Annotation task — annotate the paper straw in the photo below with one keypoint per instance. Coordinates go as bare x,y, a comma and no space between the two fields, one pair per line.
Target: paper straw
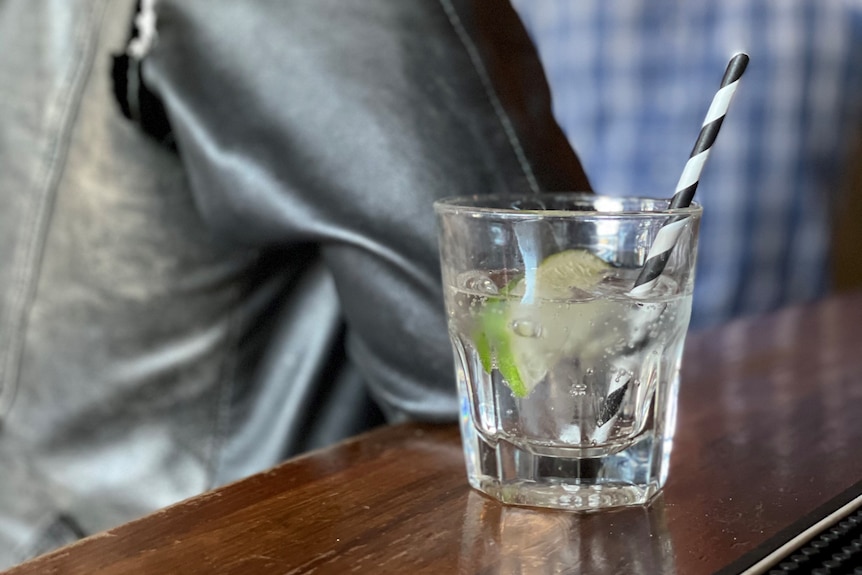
669,233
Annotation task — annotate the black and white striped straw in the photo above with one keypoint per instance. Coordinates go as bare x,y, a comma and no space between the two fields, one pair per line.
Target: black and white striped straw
669,233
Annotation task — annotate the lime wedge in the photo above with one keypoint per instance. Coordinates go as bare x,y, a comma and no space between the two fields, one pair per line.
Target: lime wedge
492,341
560,275
521,332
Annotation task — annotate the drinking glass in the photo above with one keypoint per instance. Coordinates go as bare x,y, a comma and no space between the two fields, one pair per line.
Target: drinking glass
567,378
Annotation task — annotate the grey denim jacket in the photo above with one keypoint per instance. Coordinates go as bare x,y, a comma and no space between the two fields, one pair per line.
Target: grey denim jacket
181,313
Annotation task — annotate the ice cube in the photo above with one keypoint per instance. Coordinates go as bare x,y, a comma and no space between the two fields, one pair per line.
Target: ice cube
478,282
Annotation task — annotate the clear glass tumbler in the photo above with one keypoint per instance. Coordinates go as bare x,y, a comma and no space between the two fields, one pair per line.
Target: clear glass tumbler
567,378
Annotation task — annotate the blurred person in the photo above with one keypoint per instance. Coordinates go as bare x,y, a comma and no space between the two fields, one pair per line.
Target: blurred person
259,275
631,82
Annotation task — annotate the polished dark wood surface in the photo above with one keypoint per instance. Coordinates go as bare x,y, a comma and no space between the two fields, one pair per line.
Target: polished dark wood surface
769,430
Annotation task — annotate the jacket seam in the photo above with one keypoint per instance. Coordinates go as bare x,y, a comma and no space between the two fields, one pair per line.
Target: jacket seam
27,260
491,93
224,402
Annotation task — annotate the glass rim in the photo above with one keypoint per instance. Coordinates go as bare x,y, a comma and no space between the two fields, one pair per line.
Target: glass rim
468,205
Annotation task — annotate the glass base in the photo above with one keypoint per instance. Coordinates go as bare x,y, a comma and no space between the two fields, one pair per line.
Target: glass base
515,475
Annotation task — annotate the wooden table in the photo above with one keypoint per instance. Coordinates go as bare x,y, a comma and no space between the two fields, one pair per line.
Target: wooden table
770,426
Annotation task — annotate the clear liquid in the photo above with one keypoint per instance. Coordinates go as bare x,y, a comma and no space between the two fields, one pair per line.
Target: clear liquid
601,368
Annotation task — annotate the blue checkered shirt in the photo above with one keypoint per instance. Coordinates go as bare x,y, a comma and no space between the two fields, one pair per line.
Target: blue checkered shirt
632,80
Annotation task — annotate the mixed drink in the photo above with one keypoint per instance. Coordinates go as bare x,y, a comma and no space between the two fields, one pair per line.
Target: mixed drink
568,382
571,371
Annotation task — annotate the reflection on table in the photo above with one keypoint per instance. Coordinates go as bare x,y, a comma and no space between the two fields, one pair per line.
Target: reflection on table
502,540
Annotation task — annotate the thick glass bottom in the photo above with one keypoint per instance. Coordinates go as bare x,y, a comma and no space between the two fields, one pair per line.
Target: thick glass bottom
518,476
